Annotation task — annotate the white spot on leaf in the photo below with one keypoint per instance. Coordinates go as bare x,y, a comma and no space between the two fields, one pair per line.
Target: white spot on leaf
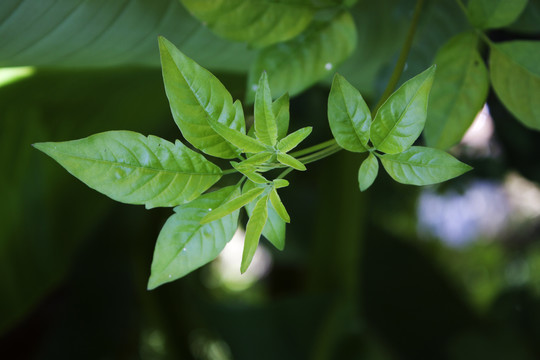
328,66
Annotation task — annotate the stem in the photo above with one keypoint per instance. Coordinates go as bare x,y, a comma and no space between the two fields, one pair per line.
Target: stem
330,150
284,173
400,64
229,171
313,148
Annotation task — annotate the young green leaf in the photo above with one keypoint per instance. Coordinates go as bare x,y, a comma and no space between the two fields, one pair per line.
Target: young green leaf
401,118
368,172
232,205
134,169
274,230
254,230
197,97
459,91
260,23
490,14
278,206
256,159
515,75
250,173
297,64
265,120
280,183
422,166
348,115
288,160
292,140
241,141
184,244
280,107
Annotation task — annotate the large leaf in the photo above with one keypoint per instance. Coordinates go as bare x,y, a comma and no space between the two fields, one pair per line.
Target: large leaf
260,23
459,91
265,121
274,230
198,98
422,166
348,115
515,75
184,244
488,14
81,33
254,229
134,169
401,118
297,64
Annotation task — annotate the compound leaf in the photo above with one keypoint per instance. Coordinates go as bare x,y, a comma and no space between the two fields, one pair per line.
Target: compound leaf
297,64
292,140
134,169
515,75
260,23
288,160
265,121
184,244
232,205
368,172
274,230
489,14
197,98
400,120
348,115
239,140
459,91
254,229
422,166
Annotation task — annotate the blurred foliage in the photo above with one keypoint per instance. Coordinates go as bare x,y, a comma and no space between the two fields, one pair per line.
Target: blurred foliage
355,280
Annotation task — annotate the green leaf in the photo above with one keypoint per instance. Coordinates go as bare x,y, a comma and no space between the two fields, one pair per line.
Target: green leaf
422,166
292,140
280,107
348,115
515,75
259,23
184,244
239,140
274,230
65,34
134,169
265,121
459,91
368,172
197,98
232,205
254,230
490,14
401,118
250,173
257,159
278,206
288,160
297,64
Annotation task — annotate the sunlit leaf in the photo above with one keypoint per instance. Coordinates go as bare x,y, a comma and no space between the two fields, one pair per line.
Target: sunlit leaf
278,206
274,230
297,64
348,115
368,172
288,160
489,14
260,23
232,205
292,140
241,141
459,91
265,121
422,166
400,120
515,74
197,98
184,244
134,169
254,229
